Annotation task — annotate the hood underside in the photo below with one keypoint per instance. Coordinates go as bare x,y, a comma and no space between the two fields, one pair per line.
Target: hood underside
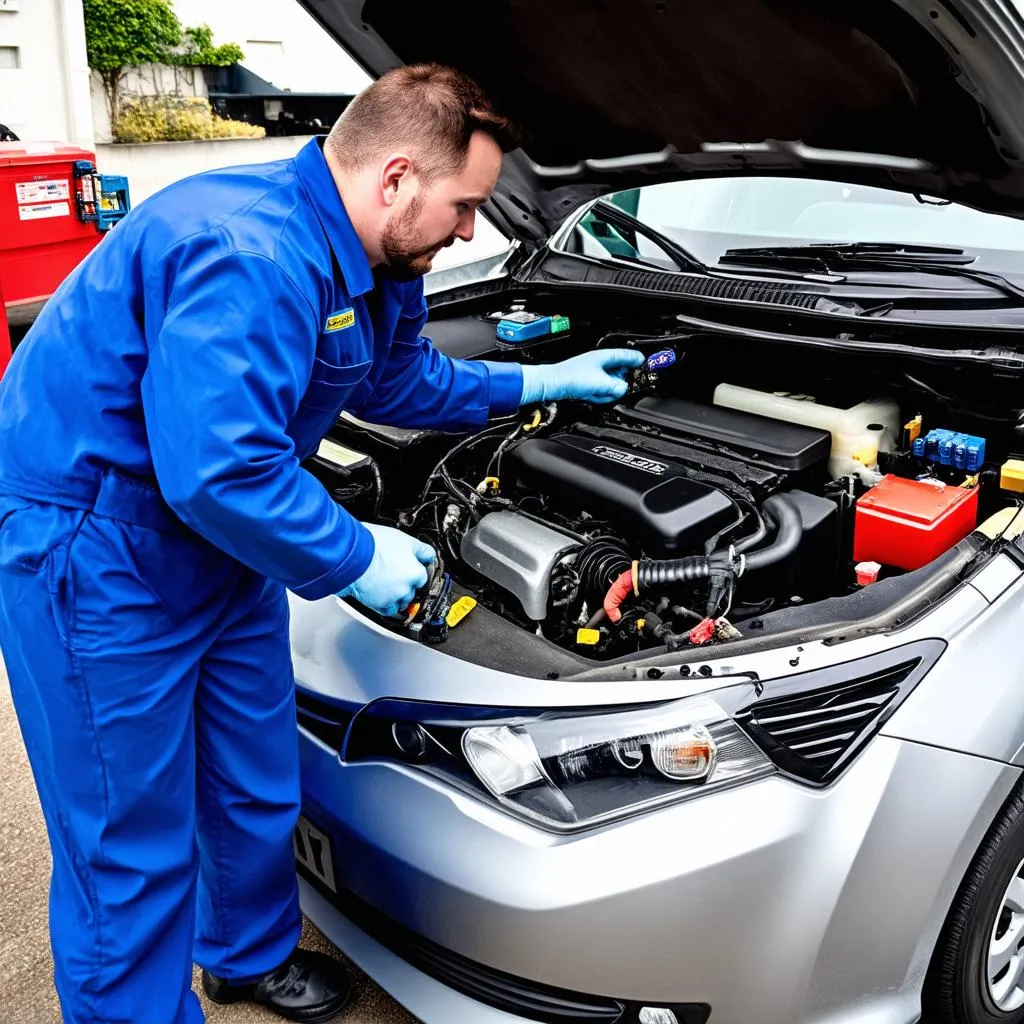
922,97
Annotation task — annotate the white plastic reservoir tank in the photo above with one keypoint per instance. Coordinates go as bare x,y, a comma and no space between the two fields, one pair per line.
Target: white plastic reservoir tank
858,433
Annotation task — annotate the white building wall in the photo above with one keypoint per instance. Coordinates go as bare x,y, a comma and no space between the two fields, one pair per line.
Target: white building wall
46,97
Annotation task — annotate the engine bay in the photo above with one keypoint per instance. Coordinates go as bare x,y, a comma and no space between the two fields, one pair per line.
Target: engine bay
686,512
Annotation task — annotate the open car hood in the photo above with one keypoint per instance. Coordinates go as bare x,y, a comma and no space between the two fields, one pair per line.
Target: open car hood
924,97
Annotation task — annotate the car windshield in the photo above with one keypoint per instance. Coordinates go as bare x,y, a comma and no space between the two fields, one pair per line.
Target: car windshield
708,216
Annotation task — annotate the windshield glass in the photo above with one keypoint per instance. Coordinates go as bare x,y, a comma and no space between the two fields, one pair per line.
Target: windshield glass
708,216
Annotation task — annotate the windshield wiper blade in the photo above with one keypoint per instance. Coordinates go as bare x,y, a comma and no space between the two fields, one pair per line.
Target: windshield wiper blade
685,260
882,257
855,252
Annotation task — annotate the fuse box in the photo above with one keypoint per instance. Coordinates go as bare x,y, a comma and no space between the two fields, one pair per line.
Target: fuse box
952,448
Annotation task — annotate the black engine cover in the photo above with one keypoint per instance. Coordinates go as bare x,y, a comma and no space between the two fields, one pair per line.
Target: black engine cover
649,498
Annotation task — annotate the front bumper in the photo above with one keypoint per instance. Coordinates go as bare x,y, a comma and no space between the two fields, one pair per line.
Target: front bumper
430,1000
770,902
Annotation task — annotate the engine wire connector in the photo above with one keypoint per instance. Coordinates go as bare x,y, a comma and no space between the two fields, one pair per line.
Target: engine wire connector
703,631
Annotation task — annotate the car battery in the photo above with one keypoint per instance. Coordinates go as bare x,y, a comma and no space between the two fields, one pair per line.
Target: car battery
908,523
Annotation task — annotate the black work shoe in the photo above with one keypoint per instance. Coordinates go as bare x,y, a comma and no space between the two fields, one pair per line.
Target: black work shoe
308,987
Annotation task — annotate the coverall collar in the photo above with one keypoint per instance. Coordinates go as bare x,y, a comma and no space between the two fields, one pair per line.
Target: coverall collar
323,194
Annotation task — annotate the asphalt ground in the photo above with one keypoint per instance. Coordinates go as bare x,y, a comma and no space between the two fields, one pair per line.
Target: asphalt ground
26,969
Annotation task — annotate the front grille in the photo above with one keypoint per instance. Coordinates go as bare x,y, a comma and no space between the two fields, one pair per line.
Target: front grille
815,734
505,992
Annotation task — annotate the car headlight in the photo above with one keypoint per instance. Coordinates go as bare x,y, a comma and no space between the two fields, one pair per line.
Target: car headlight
567,770
573,769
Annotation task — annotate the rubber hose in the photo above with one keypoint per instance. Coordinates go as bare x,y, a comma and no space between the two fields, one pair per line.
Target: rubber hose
599,564
671,571
785,514
755,538
780,509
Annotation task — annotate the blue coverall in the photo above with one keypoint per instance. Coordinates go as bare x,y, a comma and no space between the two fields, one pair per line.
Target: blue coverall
152,515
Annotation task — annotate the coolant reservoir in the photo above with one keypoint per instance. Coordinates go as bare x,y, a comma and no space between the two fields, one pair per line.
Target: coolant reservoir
858,433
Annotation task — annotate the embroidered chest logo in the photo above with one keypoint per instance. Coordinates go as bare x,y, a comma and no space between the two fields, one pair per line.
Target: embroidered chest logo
340,320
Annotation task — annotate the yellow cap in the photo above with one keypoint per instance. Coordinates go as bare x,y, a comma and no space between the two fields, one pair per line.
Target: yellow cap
867,456
1011,477
640,623
913,429
459,611
588,636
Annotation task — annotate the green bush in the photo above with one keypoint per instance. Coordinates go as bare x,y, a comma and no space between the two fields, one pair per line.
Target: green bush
178,119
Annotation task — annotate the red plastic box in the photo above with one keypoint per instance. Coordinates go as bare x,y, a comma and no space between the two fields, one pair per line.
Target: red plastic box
908,523
41,237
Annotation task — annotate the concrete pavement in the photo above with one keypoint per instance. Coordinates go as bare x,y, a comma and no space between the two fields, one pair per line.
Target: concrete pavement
26,988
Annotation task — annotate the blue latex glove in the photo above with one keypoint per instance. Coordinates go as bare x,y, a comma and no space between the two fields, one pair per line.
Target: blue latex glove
396,572
591,377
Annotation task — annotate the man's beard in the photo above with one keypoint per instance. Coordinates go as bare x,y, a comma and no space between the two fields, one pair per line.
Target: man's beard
404,254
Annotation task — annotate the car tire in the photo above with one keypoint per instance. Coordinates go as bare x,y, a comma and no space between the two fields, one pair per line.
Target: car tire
986,920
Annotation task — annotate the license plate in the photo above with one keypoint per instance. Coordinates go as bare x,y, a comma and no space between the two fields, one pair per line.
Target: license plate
313,852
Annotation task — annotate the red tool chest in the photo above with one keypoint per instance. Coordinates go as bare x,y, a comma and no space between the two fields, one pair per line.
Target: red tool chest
42,238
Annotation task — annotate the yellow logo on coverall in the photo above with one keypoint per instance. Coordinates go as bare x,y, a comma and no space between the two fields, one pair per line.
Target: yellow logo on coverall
339,321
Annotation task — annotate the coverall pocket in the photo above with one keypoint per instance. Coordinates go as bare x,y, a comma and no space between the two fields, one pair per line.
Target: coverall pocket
130,588
30,531
35,539
58,583
329,384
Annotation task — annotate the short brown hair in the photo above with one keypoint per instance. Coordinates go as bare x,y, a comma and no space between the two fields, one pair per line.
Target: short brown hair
432,109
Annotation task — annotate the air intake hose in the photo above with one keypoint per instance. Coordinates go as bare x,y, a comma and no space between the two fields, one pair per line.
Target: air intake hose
652,574
784,512
780,509
605,565
599,564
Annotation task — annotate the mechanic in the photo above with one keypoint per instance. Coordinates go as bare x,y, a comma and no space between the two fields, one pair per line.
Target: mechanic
153,513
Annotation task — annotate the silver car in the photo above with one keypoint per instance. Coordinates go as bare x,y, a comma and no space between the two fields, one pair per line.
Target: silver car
712,709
